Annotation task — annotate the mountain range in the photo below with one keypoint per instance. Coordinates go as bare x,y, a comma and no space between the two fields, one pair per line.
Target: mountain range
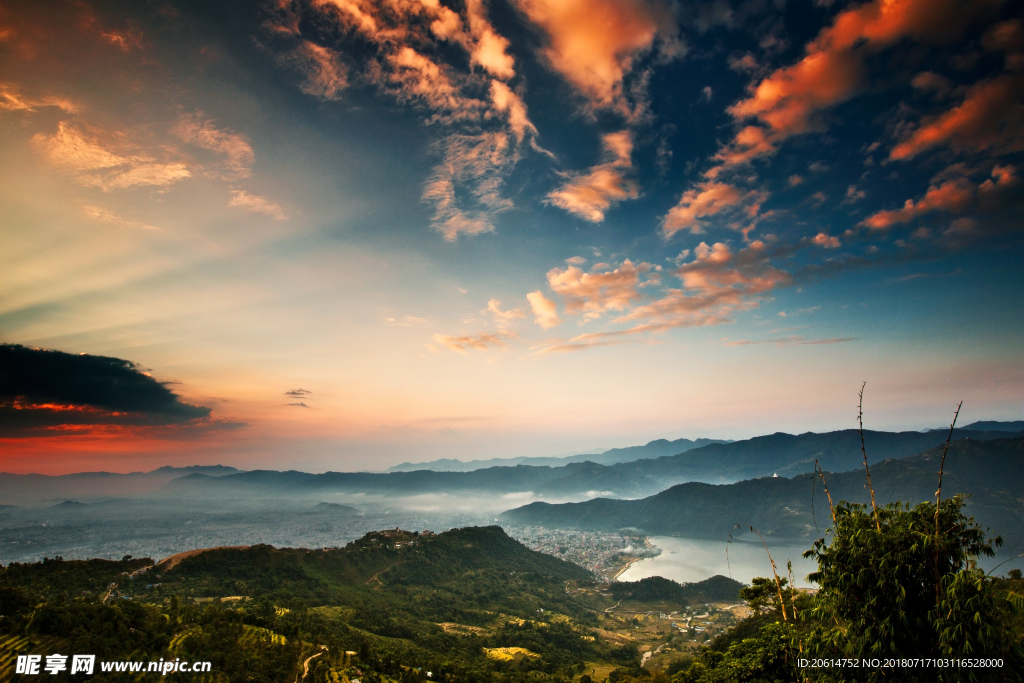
34,488
716,463
625,473
653,449
991,471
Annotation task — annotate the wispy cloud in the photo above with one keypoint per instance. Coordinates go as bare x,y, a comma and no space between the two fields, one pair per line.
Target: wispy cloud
502,319
240,199
238,156
545,311
104,216
706,200
483,121
12,100
790,341
326,75
93,158
480,342
918,276
589,195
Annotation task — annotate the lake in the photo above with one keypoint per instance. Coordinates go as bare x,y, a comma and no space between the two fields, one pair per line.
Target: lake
690,559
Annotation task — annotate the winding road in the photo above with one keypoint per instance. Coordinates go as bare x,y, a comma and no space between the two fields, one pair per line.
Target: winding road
305,664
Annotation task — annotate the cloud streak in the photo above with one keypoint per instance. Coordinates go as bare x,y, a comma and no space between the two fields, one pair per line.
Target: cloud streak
94,160
791,341
480,342
240,199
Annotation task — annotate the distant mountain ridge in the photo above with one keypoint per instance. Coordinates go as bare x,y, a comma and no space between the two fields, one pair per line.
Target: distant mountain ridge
653,449
714,463
996,426
785,454
992,472
35,487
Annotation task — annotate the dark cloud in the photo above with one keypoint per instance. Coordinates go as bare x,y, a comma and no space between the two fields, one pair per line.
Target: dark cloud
298,393
299,405
42,389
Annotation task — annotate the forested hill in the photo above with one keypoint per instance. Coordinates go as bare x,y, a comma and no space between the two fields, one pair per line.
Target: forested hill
655,588
785,454
992,472
378,560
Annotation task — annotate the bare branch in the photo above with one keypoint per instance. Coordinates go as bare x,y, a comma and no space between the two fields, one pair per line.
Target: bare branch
867,470
778,584
942,466
938,500
821,473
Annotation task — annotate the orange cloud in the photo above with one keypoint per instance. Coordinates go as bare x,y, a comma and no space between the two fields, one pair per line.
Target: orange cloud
826,241
241,199
489,50
203,133
832,70
415,77
716,283
10,100
991,115
125,40
545,311
502,319
594,43
104,216
94,162
326,76
591,194
409,37
717,269
155,174
70,149
709,199
400,26
506,101
480,342
953,196
599,290
1006,35
750,143
478,162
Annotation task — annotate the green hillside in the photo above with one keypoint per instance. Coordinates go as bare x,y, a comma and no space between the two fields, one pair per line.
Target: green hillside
656,588
404,602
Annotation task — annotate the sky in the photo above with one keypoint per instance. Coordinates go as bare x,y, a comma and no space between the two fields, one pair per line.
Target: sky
345,234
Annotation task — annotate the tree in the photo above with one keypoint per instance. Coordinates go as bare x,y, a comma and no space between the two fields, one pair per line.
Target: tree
902,582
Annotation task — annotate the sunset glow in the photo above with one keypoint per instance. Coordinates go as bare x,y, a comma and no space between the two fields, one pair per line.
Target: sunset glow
344,234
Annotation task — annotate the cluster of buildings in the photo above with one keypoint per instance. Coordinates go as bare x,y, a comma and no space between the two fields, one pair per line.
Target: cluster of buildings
594,550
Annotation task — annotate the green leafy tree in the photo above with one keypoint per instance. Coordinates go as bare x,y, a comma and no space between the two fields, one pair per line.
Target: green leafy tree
902,582
769,657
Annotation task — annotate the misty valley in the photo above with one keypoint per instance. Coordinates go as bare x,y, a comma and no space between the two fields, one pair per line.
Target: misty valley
508,572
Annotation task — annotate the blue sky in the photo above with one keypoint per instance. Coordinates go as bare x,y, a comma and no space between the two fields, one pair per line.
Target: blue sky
476,229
